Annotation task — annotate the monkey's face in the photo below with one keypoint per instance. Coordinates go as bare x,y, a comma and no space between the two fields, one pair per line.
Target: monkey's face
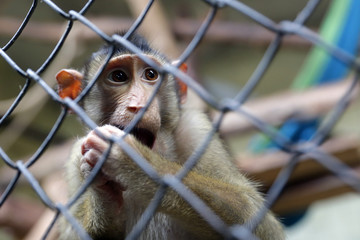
123,89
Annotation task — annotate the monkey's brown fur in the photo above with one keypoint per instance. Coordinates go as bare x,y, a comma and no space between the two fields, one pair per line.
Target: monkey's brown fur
119,195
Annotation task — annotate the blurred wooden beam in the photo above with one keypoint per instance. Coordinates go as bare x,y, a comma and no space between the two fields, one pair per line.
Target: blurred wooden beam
278,107
300,196
220,31
52,31
266,167
310,181
156,26
240,32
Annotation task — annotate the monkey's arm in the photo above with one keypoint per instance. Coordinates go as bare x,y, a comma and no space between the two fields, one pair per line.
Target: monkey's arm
234,202
99,209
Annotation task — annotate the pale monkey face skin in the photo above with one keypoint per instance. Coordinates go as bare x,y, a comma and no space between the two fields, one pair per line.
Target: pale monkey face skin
126,85
166,137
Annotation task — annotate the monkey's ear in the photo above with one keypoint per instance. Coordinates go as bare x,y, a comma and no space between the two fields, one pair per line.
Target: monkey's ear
69,83
182,86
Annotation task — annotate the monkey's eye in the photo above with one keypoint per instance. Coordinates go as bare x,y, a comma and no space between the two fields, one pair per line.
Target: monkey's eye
151,74
118,76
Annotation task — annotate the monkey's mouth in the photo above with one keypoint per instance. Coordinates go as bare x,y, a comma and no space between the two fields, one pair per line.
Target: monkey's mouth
143,135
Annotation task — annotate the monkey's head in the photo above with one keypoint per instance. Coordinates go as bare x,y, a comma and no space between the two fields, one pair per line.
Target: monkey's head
124,88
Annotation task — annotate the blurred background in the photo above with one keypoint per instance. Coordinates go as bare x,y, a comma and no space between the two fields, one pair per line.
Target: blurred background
314,204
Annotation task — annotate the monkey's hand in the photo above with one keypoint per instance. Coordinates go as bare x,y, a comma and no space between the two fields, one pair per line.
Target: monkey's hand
119,172
92,149
100,210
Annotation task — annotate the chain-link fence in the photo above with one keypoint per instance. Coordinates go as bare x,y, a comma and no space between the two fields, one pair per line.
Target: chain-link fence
296,152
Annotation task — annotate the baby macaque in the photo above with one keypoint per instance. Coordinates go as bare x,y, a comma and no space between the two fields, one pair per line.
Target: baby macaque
165,137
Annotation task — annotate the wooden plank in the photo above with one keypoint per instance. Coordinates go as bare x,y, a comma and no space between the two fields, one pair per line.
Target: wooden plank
265,168
299,197
310,181
278,107
220,31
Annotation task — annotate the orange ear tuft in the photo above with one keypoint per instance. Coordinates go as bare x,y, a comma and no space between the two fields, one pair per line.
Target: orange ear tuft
69,83
182,86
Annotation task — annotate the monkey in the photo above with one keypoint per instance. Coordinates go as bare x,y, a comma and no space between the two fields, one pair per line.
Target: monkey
166,136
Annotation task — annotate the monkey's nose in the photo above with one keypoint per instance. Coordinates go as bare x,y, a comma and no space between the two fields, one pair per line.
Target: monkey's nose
134,109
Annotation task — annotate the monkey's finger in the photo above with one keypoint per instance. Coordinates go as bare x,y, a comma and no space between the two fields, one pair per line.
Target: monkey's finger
109,130
87,164
89,160
93,141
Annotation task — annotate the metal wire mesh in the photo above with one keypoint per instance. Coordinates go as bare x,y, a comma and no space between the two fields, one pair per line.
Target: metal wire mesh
281,29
